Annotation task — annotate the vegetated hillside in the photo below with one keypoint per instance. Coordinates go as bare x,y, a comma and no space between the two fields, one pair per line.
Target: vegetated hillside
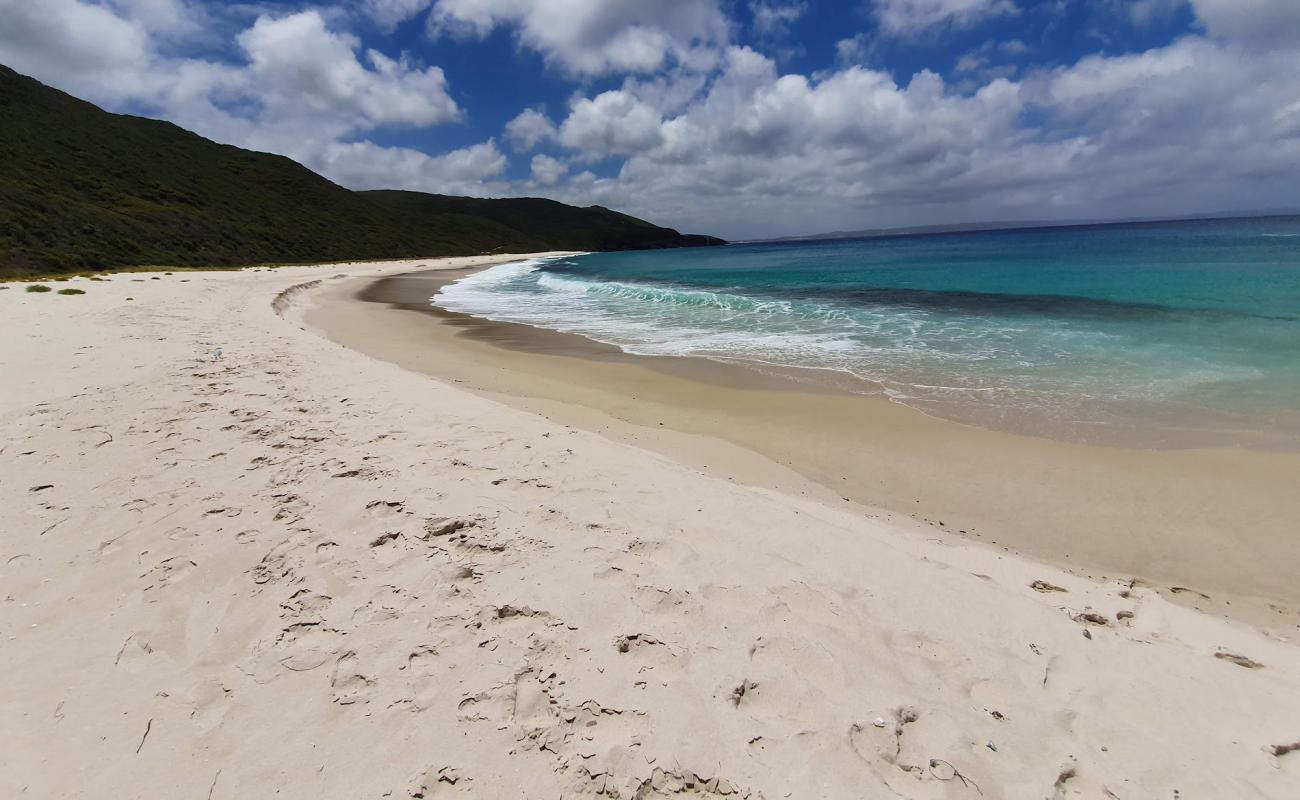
84,189
541,223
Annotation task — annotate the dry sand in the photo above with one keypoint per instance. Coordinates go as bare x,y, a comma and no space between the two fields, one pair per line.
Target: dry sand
297,571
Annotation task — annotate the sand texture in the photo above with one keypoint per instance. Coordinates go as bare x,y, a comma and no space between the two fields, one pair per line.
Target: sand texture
286,569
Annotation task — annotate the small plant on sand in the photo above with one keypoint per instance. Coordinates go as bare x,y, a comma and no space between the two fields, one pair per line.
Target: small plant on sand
70,290
36,287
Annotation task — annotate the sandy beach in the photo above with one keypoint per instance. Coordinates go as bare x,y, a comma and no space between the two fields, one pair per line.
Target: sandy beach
264,538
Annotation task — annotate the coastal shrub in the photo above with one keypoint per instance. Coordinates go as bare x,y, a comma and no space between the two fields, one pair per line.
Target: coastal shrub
70,290
36,287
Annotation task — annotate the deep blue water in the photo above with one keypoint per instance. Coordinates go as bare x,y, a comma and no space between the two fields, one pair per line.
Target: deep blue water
1177,331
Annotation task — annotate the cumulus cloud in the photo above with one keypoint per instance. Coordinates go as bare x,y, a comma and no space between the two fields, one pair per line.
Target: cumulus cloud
1196,125
594,37
76,44
365,165
547,170
914,16
853,50
301,68
299,87
529,128
173,19
612,123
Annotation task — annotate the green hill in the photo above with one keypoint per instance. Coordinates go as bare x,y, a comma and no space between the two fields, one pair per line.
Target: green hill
84,189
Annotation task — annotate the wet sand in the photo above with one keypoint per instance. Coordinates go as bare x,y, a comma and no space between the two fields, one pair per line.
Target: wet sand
1216,522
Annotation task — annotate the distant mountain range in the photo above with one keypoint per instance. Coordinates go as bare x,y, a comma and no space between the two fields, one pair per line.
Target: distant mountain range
83,189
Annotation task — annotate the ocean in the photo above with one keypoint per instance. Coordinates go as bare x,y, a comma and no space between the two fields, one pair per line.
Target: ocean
1153,334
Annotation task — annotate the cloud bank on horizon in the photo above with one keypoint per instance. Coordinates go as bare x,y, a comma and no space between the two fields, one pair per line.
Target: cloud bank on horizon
742,118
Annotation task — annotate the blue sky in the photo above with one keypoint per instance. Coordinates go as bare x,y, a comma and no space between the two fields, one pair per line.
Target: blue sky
738,117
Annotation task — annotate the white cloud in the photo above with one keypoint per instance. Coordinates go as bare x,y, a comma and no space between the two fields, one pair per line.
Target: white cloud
914,16
389,13
1145,12
1194,126
853,50
593,37
303,89
1258,21
76,44
612,123
980,62
528,129
547,170
301,68
365,165
174,19
773,18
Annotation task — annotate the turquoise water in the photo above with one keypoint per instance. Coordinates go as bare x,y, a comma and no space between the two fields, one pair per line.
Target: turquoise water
1174,332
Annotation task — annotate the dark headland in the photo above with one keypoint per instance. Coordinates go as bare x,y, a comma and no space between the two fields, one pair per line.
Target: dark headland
82,189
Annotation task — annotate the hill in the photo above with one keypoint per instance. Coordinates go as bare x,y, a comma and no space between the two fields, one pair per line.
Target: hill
82,189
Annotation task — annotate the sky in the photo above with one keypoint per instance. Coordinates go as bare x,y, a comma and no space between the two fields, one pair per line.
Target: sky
739,118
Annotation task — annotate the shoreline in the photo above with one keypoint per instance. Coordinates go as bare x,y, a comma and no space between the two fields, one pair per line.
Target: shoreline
1192,520
238,558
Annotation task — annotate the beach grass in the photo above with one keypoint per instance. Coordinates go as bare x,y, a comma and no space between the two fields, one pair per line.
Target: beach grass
37,288
71,291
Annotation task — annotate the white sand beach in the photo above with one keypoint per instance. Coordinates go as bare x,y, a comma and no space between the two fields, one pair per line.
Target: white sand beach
239,560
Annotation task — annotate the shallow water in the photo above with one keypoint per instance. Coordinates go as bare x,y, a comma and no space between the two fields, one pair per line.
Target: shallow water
1177,334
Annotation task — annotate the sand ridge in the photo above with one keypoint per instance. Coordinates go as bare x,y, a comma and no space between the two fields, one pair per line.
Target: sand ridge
286,568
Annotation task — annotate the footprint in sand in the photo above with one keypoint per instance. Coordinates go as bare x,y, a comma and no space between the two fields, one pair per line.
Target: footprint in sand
662,785
439,782
645,651
178,533
168,571
388,548
275,565
383,606
307,646
384,508
421,668
305,603
325,552
349,685
492,705
223,511
665,602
